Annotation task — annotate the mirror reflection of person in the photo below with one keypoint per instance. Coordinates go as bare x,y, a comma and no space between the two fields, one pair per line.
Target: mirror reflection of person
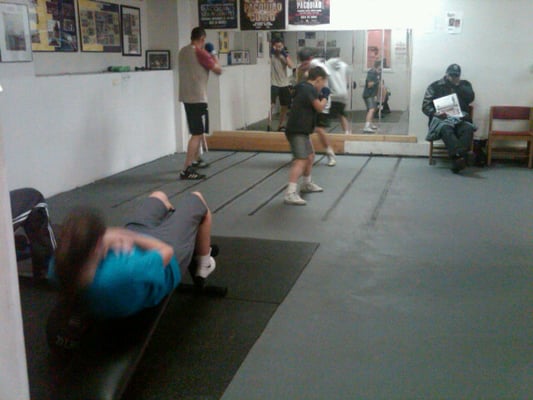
339,76
370,93
280,61
195,61
456,133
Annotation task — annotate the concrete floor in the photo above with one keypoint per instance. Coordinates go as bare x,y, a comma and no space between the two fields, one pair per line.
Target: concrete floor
421,287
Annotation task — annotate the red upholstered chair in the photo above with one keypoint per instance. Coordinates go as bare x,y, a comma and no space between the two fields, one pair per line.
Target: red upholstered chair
502,128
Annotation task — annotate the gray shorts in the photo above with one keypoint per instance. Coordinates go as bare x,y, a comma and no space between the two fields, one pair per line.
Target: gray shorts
177,228
371,102
300,143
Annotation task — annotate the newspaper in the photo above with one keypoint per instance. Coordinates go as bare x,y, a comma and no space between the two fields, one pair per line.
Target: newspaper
448,105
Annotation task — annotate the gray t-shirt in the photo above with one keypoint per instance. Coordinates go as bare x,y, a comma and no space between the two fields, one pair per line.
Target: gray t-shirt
278,71
193,75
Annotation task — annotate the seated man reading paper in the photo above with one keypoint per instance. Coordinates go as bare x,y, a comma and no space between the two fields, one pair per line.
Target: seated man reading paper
446,103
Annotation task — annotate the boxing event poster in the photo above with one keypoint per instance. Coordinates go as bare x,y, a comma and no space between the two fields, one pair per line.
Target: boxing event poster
309,12
217,14
262,15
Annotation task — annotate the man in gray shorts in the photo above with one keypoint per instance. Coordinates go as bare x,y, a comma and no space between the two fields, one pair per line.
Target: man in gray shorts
184,228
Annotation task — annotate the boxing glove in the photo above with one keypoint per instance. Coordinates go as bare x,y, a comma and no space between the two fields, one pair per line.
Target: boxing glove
210,48
324,93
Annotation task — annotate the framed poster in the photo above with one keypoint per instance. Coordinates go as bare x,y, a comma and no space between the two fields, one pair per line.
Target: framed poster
99,26
218,14
53,25
157,59
131,30
223,42
15,38
262,15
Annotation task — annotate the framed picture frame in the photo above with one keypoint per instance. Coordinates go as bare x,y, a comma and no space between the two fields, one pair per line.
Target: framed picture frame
99,26
53,26
157,59
15,37
237,57
130,18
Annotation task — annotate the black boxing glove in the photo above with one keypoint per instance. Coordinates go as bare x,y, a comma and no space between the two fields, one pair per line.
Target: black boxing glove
324,93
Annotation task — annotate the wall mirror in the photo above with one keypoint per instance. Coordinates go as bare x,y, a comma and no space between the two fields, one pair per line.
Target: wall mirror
358,48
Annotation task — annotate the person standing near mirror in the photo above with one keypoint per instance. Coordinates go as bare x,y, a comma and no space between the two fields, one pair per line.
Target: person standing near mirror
310,98
279,80
194,63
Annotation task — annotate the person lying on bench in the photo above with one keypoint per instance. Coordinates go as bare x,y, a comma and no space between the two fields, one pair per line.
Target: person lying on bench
116,272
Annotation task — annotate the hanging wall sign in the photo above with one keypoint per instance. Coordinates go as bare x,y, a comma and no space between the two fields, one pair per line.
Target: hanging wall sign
262,15
217,14
307,12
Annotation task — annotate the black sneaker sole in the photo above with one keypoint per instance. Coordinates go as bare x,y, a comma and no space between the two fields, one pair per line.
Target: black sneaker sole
192,177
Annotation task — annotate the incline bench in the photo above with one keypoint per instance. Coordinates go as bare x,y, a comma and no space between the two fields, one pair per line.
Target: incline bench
96,360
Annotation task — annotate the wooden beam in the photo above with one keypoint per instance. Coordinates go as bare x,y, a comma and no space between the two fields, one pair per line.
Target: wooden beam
276,141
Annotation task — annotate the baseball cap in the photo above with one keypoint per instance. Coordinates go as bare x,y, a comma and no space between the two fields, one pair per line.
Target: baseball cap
453,70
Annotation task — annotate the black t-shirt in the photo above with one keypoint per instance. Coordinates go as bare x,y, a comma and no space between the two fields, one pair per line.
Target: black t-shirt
302,118
372,76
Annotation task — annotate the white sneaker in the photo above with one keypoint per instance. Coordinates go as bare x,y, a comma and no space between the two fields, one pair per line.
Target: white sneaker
373,126
310,187
294,199
332,161
369,129
204,272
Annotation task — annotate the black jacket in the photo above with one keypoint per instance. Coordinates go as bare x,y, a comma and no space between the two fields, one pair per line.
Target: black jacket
443,87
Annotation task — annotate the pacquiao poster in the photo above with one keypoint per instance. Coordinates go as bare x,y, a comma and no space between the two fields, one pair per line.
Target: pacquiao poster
262,15
217,14
309,12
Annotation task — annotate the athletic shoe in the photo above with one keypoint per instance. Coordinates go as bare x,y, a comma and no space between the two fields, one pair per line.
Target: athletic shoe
294,199
310,187
191,174
369,129
204,272
332,161
200,164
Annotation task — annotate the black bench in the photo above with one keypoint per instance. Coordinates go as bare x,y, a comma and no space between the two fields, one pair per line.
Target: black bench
95,360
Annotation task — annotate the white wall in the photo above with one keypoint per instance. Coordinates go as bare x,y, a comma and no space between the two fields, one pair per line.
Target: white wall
65,131
13,375
495,51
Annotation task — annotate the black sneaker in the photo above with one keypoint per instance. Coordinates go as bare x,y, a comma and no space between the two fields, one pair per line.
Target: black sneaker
200,164
470,158
191,174
458,165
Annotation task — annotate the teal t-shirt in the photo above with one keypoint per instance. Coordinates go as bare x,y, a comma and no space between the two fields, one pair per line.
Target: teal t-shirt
126,283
